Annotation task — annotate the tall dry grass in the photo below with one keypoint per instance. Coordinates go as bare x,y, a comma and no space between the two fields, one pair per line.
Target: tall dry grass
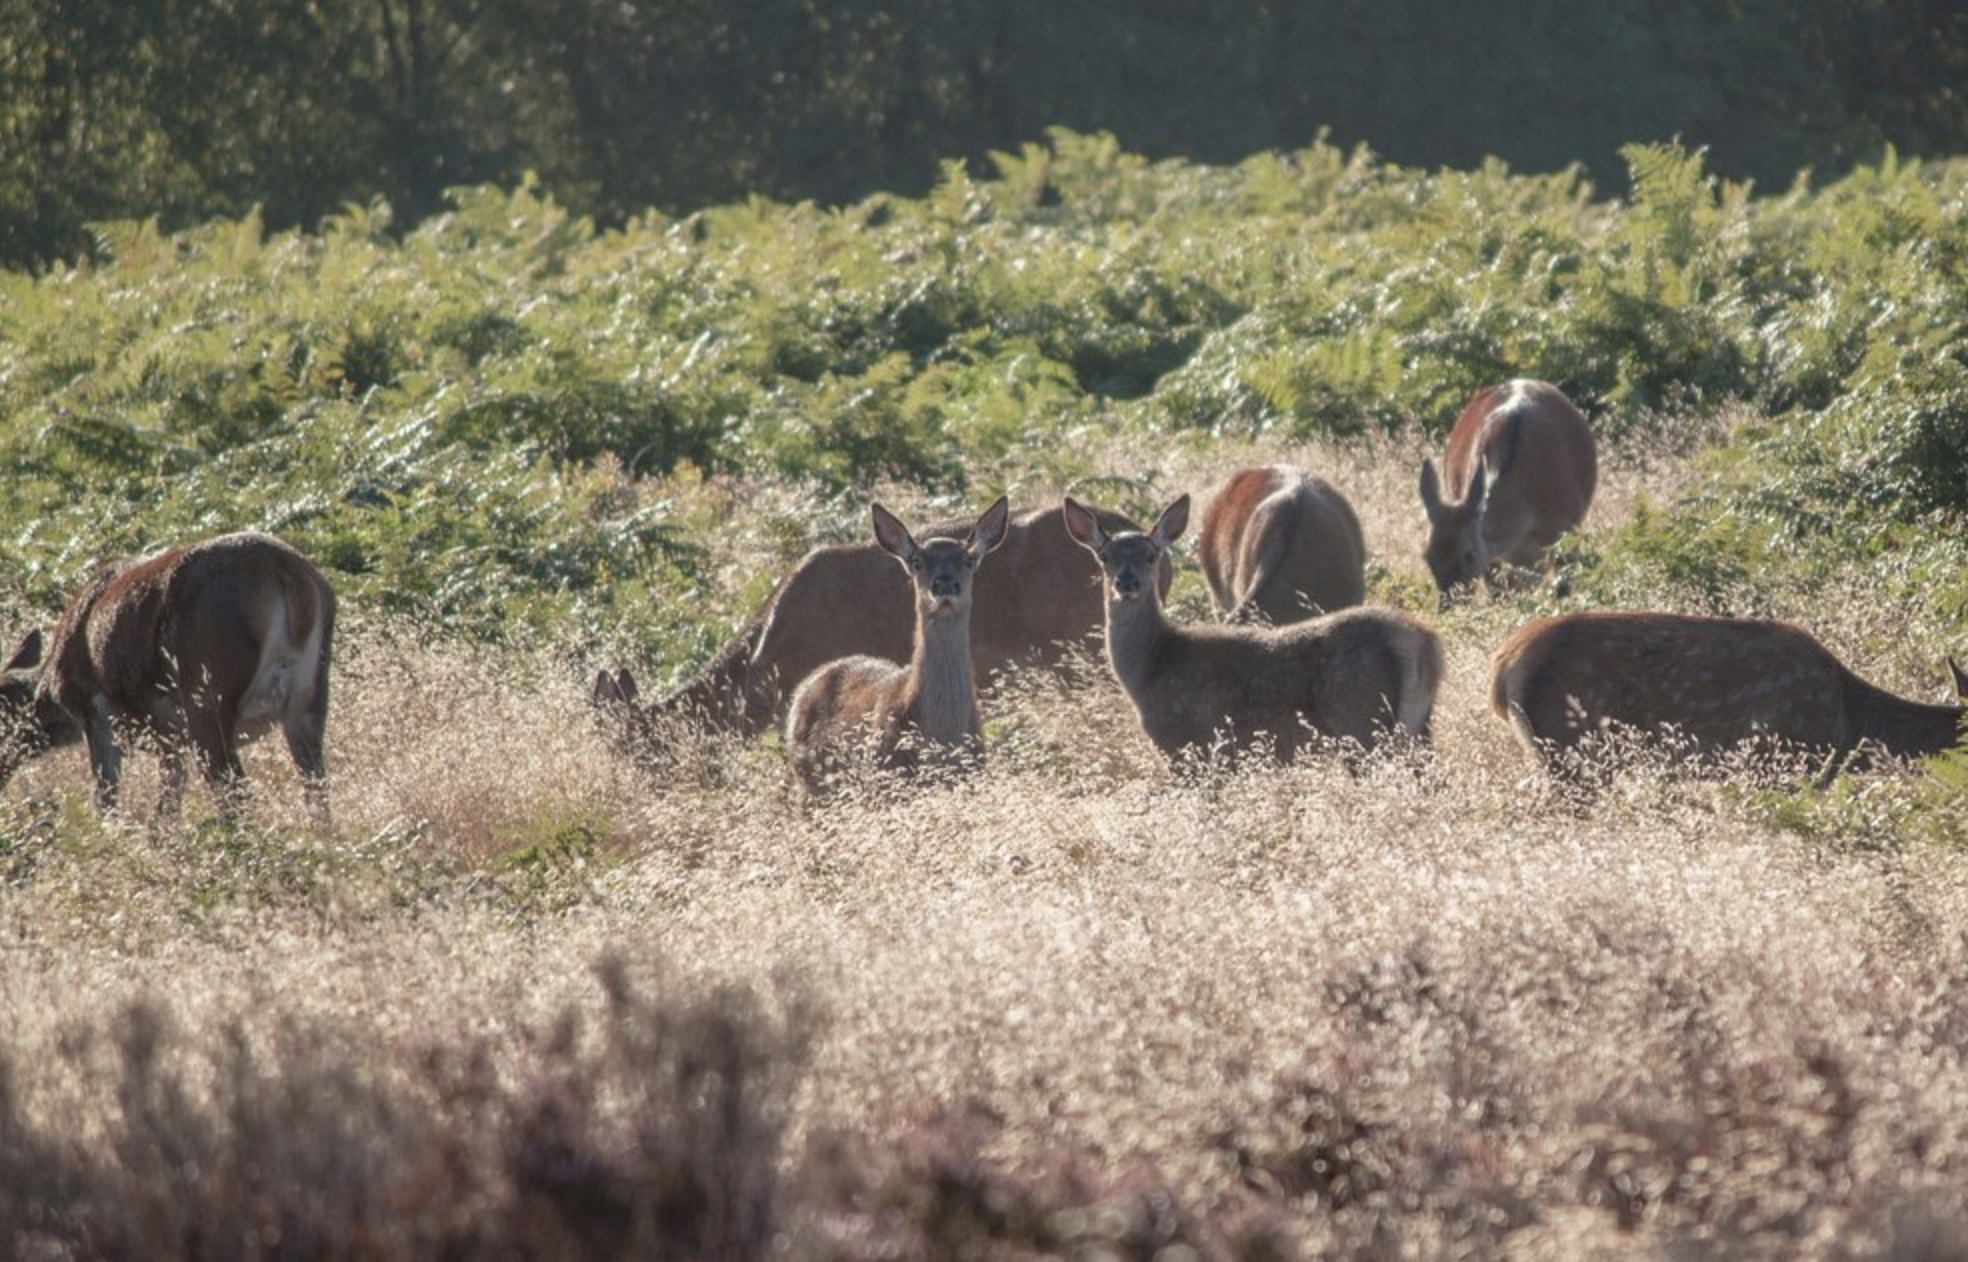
524,1001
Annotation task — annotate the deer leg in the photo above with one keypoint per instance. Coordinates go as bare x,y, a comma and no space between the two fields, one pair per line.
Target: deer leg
210,731
105,760
171,762
304,732
1578,772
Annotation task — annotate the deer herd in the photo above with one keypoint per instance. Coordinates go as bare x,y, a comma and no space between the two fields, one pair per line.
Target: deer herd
874,652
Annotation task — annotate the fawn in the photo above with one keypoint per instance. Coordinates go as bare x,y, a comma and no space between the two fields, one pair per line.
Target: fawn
893,713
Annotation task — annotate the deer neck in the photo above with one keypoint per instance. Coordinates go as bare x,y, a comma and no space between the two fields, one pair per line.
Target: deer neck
1908,729
1136,630
946,690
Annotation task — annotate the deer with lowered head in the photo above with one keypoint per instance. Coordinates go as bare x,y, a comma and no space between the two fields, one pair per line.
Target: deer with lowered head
893,714
1034,604
1278,545
1353,676
1520,471
199,647
1700,685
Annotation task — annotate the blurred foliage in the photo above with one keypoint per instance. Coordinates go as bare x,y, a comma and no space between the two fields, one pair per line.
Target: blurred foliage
186,109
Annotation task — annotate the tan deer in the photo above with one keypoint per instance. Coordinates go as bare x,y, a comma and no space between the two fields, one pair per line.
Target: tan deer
1279,545
1697,686
199,646
1035,604
1521,468
1349,676
894,713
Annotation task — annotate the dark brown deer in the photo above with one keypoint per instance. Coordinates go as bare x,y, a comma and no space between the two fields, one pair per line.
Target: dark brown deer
1697,686
199,646
892,714
1521,469
1037,602
1278,545
1351,677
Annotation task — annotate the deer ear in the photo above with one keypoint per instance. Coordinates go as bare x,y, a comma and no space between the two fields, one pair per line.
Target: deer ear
1960,679
605,690
1431,488
1479,487
990,529
1083,525
1173,521
892,535
625,685
28,655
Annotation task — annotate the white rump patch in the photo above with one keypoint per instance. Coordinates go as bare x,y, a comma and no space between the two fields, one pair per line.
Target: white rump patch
284,682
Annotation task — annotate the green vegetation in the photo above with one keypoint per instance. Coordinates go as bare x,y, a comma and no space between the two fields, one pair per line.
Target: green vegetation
511,424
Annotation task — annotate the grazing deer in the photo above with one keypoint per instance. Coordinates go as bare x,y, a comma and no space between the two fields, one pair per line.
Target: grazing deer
902,712
1279,545
1701,685
1522,467
199,646
1345,676
1034,605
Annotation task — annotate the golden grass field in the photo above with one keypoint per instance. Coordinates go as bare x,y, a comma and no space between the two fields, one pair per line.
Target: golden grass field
523,1001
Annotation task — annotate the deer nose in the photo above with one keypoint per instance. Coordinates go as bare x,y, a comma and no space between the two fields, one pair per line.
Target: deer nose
1127,583
945,585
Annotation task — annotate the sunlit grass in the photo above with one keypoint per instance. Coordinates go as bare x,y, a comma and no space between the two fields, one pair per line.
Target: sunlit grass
1072,1003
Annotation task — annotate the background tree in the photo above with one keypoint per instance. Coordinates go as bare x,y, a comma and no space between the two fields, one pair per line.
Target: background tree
185,109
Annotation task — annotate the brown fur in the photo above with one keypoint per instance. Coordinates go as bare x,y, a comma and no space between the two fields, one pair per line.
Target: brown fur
898,714
1714,682
1279,545
1521,469
1038,600
1346,676
198,646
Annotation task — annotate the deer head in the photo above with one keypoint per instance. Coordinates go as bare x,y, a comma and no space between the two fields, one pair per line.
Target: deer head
1457,552
1130,560
942,569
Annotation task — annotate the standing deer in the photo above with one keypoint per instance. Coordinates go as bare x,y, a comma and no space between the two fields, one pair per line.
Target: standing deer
199,646
1712,683
1522,467
1346,676
901,713
1279,545
1035,604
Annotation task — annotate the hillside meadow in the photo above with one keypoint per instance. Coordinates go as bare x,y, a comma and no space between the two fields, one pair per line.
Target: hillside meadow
524,999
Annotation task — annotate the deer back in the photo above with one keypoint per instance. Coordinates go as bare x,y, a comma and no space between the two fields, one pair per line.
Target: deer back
1351,676
854,705
1520,471
1278,545
1716,682
244,619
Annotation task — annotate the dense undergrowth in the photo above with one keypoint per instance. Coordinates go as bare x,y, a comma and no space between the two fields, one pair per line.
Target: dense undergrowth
502,422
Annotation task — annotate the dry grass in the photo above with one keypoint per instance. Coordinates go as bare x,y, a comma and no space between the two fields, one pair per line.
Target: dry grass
524,1002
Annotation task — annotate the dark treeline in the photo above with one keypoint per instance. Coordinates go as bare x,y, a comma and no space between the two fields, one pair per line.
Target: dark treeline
191,108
